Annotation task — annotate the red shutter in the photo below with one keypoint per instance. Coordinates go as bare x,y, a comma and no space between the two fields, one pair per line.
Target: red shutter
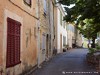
13,43
17,42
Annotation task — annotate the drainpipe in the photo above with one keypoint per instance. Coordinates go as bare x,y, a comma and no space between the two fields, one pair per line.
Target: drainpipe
38,34
49,29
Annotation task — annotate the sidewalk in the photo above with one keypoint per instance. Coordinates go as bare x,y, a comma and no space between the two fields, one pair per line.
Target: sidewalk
72,62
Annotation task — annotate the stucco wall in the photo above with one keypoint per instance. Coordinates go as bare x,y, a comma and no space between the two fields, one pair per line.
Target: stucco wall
1,33
60,30
55,25
71,34
17,10
43,30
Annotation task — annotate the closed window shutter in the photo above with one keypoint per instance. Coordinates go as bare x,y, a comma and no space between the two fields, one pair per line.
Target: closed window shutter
13,43
17,42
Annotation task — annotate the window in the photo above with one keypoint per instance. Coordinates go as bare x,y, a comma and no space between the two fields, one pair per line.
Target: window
13,43
44,6
28,2
60,18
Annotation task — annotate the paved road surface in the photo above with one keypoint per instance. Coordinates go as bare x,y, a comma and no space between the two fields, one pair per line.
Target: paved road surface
72,62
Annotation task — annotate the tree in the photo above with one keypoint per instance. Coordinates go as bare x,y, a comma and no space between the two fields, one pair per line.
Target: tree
85,13
88,30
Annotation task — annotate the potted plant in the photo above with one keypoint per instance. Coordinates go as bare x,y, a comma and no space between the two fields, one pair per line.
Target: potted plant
65,48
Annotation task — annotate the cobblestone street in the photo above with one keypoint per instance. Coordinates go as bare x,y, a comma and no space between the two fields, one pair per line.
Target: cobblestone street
72,62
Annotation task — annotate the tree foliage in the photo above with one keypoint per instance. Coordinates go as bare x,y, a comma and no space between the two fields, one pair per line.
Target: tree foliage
85,14
88,30
83,9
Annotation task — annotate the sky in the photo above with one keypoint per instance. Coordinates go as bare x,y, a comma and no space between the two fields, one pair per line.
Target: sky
67,6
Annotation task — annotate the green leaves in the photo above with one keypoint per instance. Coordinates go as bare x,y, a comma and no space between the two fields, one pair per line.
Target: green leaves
89,9
91,50
85,14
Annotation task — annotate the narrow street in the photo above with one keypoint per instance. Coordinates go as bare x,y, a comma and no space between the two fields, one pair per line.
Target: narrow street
72,62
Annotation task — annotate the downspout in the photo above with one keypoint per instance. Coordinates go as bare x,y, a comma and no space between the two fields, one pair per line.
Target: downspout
49,29
38,34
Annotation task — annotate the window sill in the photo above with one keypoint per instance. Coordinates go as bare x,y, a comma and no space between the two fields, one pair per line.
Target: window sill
12,65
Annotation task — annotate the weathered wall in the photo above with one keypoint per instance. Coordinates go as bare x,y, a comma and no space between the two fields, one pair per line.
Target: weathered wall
51,24
55,24
71,34
17,10
44,30
1,33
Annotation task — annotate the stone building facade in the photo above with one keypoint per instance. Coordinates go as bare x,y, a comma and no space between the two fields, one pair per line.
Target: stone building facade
46,30
18,46
71,35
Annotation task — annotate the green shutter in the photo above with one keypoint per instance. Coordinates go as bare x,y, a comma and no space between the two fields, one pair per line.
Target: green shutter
60,18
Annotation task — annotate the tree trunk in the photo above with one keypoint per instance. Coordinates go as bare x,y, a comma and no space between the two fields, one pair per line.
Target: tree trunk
93,43
88,43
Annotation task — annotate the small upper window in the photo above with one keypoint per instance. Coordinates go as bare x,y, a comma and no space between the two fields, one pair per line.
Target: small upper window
28,2
45,6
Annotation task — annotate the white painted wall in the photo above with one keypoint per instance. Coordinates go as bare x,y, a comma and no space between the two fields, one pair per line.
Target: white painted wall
60,29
